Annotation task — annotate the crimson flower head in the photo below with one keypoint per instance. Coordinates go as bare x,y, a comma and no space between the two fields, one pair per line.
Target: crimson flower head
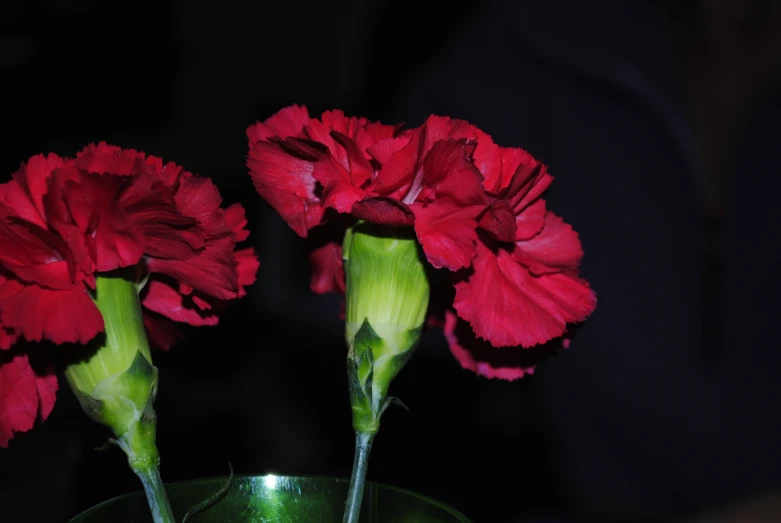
64,222
476,210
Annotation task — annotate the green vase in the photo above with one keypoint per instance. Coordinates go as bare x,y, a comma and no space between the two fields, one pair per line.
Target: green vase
277,499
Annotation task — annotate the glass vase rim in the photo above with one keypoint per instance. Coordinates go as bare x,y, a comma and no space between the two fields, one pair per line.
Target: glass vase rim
447,508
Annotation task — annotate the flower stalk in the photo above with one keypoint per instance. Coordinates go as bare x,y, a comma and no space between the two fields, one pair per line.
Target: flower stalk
363,446
387,291
117,383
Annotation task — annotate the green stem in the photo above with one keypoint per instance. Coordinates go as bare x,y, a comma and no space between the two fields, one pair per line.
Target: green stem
363,445
155,494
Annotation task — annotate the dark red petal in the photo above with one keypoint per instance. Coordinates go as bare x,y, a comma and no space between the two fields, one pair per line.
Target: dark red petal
61,316
357,164
107,159
199,198
322,131
437,128
499,220
247,265
7,338
338,190
530,221
506,363
557,248
398,160
530,190
212,271
289,121
90,203
507,306
383,211
236,221
170,174
448,173
516,166
337,121
384,149
75,225
165,300
17,203
447,232
447,227
286,183
25,396
327,269
161,332
487,157
34,254
373,133
119,242
24,194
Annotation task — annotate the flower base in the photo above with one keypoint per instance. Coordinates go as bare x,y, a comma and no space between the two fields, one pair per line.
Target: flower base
277,499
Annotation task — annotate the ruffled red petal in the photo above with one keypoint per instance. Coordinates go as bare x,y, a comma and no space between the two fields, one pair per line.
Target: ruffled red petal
373,133
161,332
339,192
446,224
438,128
247,265
483,359
507,306
383,211
23,196
398,159
107,159
212,271
320,130
198,198
7,337
167,231
162,298
327,269
34,254
530,221
285,181
118,240
289,121
446,232
555,249
236,221
61,316
25,396
499,220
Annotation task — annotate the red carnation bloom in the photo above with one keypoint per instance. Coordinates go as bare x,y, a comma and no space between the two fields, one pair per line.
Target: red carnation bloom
476,209
62,221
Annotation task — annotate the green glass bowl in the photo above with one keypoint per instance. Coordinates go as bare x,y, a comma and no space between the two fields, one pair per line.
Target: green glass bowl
277,499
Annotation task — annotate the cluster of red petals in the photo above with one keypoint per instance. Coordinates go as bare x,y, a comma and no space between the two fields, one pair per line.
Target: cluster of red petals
476,208
64,220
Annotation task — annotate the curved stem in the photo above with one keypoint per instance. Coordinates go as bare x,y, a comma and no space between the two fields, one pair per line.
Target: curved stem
155,494
363,445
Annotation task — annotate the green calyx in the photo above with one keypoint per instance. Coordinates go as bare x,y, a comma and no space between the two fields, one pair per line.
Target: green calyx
117,383
387,299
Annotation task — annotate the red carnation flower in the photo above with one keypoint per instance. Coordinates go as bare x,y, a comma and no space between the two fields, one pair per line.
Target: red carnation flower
476,209
62,221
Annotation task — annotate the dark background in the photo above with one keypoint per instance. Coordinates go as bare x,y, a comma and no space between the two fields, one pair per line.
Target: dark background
266,389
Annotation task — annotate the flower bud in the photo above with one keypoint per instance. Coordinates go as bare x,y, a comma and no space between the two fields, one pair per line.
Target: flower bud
117,383
387,297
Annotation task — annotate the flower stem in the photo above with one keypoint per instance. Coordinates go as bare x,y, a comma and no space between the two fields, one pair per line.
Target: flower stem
363,445
155,494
